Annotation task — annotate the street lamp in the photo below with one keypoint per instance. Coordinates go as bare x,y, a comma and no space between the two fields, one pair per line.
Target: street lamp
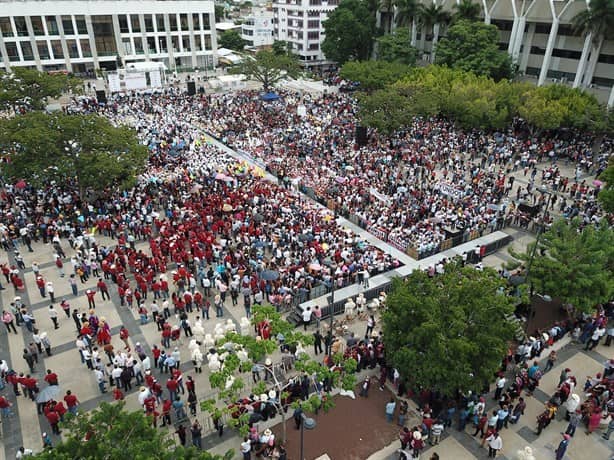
310,424
331,303
540,231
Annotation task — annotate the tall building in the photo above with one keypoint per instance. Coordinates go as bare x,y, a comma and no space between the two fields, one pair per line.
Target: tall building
257,28
84,35
539,36
299,22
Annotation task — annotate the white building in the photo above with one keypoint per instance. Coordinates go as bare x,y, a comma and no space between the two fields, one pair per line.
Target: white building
257,29
538,34
84,35
299,22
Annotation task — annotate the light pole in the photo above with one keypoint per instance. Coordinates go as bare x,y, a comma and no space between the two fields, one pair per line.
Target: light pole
331,303
540,231
310,424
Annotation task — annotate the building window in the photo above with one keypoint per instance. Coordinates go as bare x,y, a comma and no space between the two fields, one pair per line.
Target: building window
172,19
313,35
56,49
103,35
542,28
43,49
127,46
11,50
73,49
315,2
26,51
162,42
86,50
5,27
151,44
67,24
314,46
37,25
149,23
183,19
206,21
123,24
186,43
81,26
136,24
196,21
138,45
207,43
20,25
538,51
313,24
175,42
160,22
567,54
52,25
197,43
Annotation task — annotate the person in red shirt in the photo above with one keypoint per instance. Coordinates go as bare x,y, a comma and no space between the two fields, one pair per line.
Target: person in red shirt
166,412
40,283
54,419
71,402
171,386
103,289
51,378
123,335
60,409
5,406
90,298
118,394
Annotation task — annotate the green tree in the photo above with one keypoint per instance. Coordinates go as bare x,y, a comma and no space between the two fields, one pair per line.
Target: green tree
432,16
109,432
406,17
385,110
597,20
281,47
350,31
467,10
85,150
220,12
394,48
232,40
231,382
474,47
449,332
31,89
268,68
606,195
373,75
573,262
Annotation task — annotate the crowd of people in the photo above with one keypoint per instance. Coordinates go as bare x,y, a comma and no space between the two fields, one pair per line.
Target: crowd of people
415,187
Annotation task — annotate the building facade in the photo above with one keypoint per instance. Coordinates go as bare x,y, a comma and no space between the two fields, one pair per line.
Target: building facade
257,29
83,36
299,22
538,34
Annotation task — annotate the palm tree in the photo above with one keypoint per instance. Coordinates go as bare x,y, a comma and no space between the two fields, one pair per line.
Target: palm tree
596,23
432,16
406,12
468,10
386,12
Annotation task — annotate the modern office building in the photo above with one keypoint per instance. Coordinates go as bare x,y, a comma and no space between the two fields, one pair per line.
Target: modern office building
257,28
539,36
299,22
85,35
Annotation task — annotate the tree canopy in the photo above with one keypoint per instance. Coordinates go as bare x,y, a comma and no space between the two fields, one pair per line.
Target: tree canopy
474,47
232,40
606,194
31,89
448,332
350,31
466,9
268,68
597,19
574,262
373,75
111,433
84,150
394,47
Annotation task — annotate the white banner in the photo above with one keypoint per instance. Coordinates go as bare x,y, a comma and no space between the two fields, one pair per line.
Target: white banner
448,189
135,80
114,82
379,196
154,77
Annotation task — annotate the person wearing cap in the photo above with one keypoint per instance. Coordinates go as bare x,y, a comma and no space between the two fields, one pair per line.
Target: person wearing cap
562,448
